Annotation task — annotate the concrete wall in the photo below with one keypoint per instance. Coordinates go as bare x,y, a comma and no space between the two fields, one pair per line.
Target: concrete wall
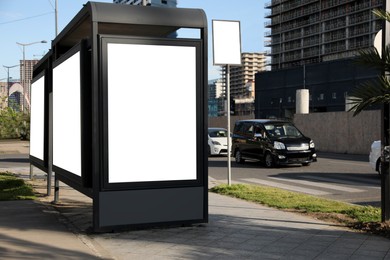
340,132
337,132
221,121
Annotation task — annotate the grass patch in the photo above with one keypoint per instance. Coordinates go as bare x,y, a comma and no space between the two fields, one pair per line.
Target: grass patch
14,188
351,215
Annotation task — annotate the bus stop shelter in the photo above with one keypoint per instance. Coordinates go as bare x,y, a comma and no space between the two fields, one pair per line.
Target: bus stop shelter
119,113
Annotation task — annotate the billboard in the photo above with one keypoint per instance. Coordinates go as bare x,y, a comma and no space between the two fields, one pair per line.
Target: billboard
67,114
37,121
148,125
226,42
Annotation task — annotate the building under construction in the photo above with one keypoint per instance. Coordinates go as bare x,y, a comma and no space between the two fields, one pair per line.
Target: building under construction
242,82
313,31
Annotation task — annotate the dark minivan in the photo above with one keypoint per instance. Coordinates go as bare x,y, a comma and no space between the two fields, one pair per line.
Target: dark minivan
275,142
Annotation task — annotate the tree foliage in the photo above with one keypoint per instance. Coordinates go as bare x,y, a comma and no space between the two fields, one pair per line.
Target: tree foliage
14,124
373,92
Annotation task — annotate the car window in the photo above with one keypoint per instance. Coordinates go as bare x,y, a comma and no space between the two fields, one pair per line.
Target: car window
282,130
239,128
218,133
242,128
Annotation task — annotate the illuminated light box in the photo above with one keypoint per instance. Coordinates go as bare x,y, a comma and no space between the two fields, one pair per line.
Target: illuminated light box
158,125
37,118
66,115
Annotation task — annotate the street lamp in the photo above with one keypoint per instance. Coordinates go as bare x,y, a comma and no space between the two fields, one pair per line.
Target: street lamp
24,70
8,67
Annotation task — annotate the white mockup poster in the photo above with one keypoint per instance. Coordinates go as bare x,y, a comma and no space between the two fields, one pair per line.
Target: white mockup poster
37,118
226,42
151,113
66,115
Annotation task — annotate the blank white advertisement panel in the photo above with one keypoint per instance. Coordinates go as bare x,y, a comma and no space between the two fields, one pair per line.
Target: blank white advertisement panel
226,42
66,115
151,113
37,118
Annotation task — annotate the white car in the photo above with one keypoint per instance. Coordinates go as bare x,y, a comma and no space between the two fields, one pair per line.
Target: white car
217,141
375,156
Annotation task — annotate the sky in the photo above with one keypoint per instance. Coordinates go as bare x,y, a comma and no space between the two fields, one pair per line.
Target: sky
31,21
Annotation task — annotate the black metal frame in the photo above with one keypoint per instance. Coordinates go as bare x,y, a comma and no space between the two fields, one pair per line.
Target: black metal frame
42,164
104,40
82,183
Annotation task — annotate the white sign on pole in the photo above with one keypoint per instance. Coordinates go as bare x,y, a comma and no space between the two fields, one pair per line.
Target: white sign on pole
226,42
227,51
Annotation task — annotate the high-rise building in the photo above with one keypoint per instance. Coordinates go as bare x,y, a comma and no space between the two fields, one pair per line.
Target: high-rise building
216,89
242,82
216,98
26,73
157,3
241,76
313,31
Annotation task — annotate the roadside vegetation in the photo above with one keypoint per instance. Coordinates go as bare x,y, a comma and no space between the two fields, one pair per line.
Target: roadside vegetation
14,124
14,188
365,218
373,92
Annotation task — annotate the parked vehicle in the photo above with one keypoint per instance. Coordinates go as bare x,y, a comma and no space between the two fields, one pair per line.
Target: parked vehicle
275,142
217,141
375,156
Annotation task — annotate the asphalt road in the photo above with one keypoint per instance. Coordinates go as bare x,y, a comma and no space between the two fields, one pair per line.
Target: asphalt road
347,178
14,162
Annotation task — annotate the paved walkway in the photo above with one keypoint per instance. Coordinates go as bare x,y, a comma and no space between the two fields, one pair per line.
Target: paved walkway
236,230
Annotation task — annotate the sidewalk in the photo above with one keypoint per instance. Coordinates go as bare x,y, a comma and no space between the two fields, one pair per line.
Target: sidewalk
236,230
14,147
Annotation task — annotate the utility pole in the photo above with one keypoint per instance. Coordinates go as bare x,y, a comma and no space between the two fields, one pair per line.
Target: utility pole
8,67
56,17
24,70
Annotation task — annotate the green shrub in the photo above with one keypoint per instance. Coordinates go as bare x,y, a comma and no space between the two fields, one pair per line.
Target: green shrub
14,124
14,188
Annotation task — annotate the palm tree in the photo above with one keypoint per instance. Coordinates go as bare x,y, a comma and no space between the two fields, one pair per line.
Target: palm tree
374,91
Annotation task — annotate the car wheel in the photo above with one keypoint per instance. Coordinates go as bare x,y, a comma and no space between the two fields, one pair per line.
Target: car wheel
269,160
305,164
238,157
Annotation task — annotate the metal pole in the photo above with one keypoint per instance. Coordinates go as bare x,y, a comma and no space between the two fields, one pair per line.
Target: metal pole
23,81
31,171
228,124
24,70
7,87
50,147
56,189
8,67
50,135
56,17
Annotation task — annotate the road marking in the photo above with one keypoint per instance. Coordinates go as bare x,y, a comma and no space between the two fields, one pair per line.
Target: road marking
286,187
320,185
343,181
